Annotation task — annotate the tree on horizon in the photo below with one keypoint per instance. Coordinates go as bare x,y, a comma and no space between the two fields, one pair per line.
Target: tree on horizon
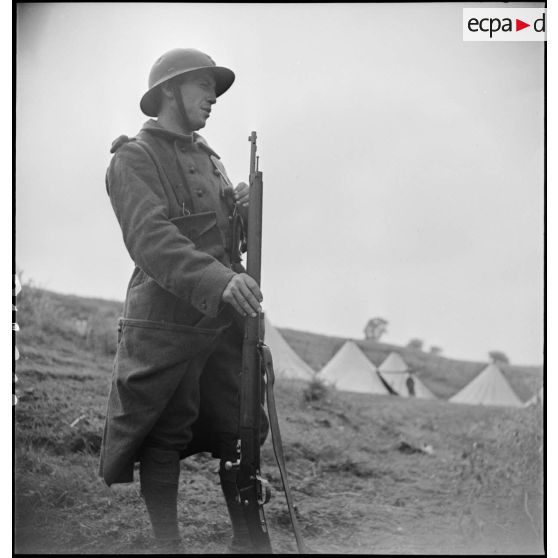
375,328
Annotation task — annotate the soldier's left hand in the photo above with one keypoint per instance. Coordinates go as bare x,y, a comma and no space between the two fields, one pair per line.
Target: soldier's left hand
241,194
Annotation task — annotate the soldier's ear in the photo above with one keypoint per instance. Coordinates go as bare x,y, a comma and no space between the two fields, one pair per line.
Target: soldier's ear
166,91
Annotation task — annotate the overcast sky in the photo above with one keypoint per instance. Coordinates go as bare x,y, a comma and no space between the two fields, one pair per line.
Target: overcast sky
402,167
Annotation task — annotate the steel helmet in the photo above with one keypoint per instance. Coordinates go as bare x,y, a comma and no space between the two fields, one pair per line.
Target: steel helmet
177,62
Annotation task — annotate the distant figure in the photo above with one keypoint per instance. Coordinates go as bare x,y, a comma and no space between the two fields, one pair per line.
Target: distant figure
410,385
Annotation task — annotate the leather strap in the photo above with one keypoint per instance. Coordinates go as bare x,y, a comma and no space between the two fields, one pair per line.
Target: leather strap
175,88
267,364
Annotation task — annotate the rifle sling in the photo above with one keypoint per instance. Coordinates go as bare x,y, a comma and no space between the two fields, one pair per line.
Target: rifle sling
267,364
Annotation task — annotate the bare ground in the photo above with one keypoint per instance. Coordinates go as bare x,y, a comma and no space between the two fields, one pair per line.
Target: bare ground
370,474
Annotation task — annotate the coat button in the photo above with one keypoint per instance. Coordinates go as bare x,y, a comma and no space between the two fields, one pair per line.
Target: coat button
199,192
192,169
182,147
216,172
203,305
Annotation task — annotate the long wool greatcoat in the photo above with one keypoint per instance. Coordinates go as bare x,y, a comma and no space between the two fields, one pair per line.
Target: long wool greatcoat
169,194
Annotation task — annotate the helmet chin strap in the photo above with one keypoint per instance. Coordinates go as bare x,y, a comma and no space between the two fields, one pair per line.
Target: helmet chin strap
178,98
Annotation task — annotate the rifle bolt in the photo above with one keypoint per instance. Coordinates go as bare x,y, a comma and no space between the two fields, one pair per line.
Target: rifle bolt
246,503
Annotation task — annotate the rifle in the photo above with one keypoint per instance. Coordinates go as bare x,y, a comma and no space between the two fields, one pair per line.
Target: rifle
253,490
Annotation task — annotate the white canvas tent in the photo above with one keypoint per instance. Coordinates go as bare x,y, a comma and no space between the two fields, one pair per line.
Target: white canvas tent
350,370
286,363
395,373
393,363
490,387
399,383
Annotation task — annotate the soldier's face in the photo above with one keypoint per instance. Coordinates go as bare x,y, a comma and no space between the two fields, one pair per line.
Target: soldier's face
198,96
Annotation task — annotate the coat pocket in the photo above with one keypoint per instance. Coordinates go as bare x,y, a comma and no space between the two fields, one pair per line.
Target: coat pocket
147,348
203,231
149,301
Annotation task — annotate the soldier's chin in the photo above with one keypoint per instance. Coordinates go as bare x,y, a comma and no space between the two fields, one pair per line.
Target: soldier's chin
197,125
201,123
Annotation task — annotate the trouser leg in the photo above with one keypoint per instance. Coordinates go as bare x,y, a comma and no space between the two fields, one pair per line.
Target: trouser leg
159,473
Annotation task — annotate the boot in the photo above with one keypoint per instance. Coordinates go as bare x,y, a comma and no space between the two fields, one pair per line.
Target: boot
159,473
241,542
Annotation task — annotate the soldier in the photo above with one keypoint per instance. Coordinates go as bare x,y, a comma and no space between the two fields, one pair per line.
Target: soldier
410,382
175,385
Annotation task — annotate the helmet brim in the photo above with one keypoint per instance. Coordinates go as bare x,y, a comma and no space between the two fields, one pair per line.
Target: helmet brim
224,78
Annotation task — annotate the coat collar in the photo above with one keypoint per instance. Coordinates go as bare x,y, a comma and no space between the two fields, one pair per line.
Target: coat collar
153,127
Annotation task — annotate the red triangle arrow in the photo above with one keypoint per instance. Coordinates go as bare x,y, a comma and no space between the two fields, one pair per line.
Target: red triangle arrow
519,25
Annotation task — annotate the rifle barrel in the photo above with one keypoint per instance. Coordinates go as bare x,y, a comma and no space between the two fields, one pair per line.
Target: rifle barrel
253,148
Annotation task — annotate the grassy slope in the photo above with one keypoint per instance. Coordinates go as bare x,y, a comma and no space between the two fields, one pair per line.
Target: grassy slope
359,479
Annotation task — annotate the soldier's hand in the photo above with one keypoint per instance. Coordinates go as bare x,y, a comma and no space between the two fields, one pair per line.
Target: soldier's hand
243,294
242,193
